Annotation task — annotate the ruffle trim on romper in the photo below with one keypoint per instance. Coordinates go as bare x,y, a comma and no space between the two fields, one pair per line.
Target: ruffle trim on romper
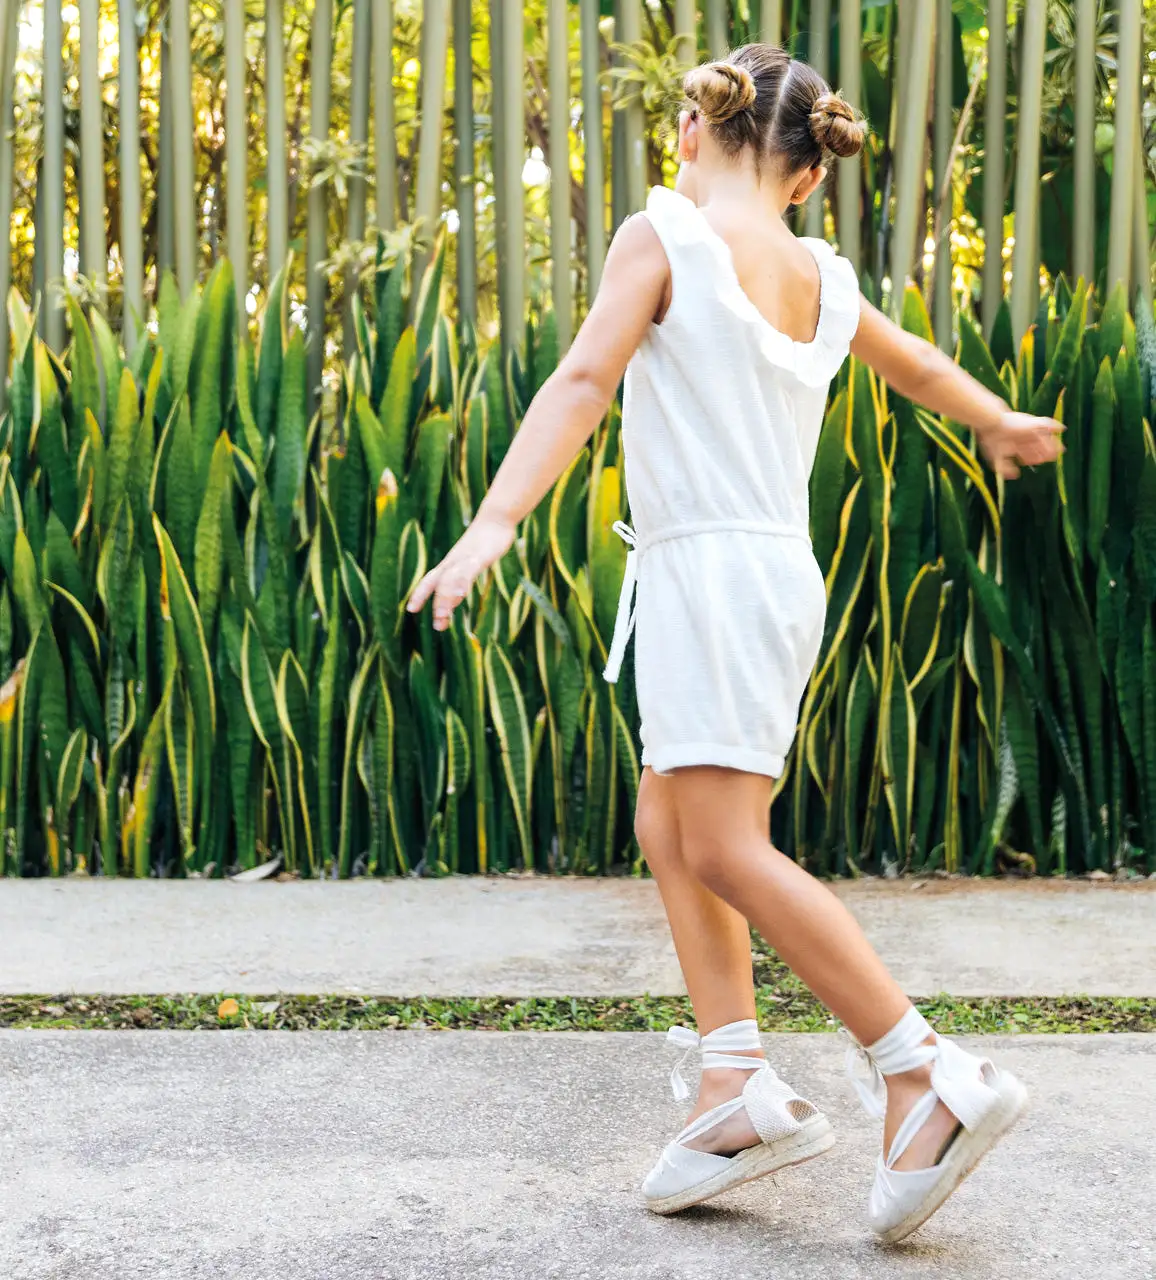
813,363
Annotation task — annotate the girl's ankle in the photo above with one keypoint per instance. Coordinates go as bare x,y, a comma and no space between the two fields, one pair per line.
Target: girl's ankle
720,1083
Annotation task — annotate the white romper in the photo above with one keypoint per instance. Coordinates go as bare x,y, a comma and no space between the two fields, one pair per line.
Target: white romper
721,419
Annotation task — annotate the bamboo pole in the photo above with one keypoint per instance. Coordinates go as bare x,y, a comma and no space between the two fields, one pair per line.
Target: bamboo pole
1142,241
38,258
819,38
385,141
276,156
128,130
498,156
944,154
686,28
771,26
850,168
918,16
508,80
995,117
1129,30
236,154
93,245
166,243
464,163
618,202
592,146
435,36
514,125
359,136
316,285
1025,292
184,186
716,27
50,218
819,56
558,85
9,29
1084,178
628,30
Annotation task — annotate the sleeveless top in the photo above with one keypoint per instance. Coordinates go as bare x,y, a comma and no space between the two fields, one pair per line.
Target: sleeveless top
722,411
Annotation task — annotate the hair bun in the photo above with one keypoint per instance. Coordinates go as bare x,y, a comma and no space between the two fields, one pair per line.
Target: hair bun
834,126
720,90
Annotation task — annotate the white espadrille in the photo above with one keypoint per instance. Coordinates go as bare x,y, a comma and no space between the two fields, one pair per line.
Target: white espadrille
790,1128
985,1101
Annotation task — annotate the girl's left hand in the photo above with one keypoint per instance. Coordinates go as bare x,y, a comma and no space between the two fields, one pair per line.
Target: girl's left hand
1017,440
483,544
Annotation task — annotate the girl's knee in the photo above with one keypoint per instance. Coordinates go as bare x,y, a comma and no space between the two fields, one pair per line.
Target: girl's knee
717,853
655,828
712,863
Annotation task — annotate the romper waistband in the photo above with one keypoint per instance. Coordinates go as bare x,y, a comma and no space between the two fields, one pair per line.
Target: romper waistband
639,544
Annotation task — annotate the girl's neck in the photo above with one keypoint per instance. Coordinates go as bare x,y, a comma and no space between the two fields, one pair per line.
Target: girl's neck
733,185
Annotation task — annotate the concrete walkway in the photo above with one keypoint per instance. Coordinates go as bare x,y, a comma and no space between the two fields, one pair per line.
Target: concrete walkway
427,1155
524,936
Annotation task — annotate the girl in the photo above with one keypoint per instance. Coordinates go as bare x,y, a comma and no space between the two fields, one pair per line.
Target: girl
729,330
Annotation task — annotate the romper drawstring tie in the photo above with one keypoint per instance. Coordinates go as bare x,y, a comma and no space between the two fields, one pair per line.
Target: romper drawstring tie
624,622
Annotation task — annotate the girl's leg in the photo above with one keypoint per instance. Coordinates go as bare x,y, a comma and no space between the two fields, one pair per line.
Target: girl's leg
722,824
713,943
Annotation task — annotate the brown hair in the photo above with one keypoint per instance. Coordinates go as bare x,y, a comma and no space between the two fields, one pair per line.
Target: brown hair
761,98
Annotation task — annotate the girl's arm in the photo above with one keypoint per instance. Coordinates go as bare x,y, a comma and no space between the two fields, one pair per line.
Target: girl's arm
562,416
923,373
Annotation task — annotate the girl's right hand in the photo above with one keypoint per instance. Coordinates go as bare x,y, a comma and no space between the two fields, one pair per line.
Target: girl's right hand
483,544
1016,440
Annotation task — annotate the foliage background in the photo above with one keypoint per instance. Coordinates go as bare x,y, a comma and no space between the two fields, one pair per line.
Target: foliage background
340,160
205,655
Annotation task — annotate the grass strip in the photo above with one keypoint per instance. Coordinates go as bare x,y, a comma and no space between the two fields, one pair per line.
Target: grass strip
778,1011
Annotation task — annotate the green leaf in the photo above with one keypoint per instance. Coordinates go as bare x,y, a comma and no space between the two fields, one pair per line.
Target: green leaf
212,371
184,490
194,653
271,354
84,389
607,555
52,443
329,705
209,558
827,478
431,455
257,684
1063,362
63,568
70,775
508,713
974,356
394,409
1100,458
180,750
899,745
290,453
26,584
142,814
121,442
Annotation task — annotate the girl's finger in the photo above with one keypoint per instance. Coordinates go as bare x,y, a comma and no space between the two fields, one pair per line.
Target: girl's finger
424,589
448,596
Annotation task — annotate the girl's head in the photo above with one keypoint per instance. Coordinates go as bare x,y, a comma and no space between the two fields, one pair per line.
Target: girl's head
759,106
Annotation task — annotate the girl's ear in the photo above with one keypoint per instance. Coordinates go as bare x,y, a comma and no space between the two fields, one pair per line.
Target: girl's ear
808,182
687,136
